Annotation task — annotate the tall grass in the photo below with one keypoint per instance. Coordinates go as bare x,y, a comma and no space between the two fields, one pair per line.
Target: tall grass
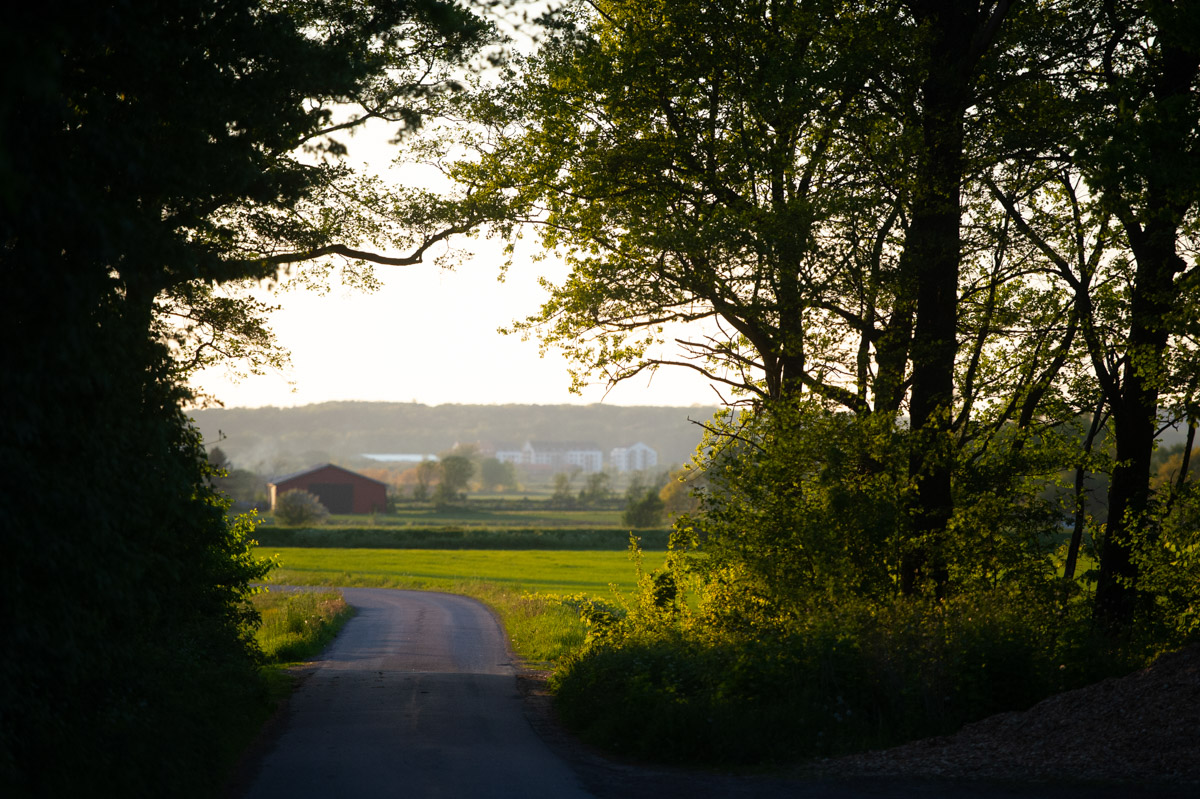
542,628
297,625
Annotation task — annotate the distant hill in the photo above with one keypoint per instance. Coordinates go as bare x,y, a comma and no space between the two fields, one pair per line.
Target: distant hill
276,440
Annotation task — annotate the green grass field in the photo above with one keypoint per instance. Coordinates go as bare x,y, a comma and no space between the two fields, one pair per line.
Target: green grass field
547,572
519,585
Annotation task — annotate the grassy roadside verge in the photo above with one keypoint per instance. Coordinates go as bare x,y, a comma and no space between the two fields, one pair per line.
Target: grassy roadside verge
295,627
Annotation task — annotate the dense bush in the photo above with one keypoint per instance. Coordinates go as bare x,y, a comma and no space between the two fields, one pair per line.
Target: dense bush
298,508
845,678
778,629
644,511
128,661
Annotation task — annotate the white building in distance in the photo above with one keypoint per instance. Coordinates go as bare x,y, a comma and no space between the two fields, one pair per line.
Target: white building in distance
585,456
636,458
554,455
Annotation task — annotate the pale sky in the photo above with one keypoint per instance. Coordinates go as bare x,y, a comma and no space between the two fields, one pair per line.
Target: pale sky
430,335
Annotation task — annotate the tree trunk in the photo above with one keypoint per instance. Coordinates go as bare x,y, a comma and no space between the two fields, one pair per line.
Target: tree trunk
1135,422
931,260
1168,194
1080,508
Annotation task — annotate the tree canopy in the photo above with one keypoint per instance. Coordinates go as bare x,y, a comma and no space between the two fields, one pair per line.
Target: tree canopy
150,152
953,223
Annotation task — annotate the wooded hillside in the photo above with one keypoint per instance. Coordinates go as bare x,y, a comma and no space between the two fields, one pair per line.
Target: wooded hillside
271,440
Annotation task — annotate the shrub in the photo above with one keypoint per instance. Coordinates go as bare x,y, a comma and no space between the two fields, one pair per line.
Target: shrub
299,508
847,678
644,511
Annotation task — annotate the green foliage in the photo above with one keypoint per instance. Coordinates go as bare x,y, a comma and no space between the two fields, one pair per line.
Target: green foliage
802,505
455,472
427,471
644,511
126,198
596,489
926,256
679,493
673,686
205,327
563,496
497,476
644,508
297,625
128,601
1168,564
299,508
777,629
684,160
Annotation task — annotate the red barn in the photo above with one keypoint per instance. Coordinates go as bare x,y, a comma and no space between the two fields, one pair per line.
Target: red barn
340,490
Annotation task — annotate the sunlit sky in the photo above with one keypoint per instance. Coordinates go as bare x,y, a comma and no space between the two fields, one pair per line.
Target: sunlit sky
430,335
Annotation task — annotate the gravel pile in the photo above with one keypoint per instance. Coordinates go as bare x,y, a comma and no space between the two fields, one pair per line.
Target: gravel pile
1144,727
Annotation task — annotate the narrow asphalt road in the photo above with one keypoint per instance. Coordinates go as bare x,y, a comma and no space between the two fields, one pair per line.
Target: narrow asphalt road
417,697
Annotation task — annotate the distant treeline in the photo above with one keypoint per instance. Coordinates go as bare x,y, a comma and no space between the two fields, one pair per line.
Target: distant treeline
276,440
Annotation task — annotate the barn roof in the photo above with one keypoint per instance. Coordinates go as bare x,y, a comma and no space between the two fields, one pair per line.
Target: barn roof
285,478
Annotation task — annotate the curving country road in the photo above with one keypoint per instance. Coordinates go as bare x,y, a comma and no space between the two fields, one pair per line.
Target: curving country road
417,697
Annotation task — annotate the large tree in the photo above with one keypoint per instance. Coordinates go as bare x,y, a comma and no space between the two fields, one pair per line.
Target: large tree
1129,181
953,39
148,151
1144,161
692,162
797,177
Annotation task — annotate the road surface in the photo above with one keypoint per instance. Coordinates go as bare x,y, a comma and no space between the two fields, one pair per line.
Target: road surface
416,698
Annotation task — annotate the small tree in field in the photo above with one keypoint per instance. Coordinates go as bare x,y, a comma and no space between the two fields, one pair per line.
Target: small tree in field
298,508
495,475
644,510
456,471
